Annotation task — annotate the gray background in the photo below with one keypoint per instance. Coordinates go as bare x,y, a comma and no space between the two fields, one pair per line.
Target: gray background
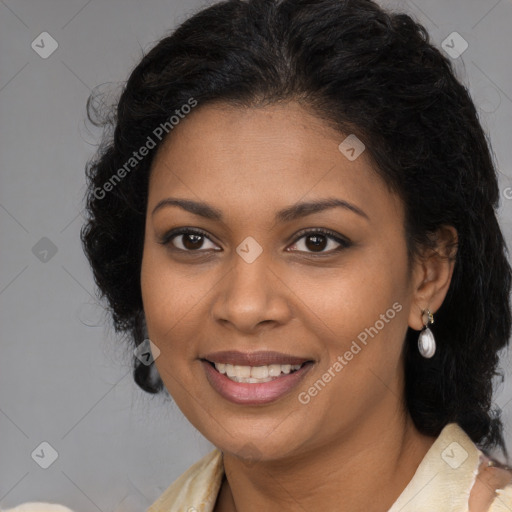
63,378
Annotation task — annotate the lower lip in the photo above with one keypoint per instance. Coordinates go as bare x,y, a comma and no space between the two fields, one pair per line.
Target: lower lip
245,393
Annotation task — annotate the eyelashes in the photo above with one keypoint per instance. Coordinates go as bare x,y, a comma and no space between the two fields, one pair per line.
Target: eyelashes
171,235
343,243
197,236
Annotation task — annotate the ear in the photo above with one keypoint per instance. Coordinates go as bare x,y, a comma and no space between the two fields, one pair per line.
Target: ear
432,274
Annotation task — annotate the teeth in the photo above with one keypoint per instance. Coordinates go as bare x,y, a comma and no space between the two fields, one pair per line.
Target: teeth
274,370
255,374
243,371
259,372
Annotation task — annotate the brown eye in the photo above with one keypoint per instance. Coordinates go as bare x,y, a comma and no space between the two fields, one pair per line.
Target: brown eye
319,240
316,242
187,240
192,241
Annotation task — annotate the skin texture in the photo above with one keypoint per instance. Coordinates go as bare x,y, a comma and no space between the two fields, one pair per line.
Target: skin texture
353,441
487,481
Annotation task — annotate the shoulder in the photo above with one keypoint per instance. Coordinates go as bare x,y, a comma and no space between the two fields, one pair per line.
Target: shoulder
197,487
492,490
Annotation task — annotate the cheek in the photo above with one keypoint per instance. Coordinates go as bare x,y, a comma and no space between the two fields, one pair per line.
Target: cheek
342,302
170,291
168,303
360,322
359,316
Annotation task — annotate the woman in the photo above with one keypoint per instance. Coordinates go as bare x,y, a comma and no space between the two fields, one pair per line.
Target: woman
294,223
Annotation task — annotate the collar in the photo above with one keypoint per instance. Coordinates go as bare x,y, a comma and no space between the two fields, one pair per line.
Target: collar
444,477
442,481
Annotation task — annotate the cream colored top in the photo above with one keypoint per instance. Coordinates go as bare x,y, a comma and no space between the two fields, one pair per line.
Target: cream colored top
442,482
38,506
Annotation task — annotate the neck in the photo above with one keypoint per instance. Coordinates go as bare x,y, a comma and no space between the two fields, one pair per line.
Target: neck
365,462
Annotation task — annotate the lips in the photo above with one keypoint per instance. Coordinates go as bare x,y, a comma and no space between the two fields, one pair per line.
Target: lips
254,391
261,358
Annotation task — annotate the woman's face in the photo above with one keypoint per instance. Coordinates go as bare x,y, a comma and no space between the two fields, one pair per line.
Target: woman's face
259,281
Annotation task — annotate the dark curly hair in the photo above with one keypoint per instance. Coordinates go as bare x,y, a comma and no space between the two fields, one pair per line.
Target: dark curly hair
364,71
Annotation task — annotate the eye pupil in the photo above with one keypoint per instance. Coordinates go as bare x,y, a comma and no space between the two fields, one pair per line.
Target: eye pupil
192,241
318,241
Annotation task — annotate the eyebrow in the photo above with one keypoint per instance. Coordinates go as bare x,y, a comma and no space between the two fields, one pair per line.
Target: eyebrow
288,214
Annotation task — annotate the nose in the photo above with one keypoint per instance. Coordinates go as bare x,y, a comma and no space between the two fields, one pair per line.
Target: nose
251,295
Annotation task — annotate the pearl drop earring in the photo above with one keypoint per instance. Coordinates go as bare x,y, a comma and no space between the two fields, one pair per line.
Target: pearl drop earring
426,340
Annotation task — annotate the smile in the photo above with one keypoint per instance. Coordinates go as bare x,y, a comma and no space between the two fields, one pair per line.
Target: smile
255,374
254,385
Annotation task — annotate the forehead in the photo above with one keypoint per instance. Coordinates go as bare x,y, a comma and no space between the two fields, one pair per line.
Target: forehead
254,161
